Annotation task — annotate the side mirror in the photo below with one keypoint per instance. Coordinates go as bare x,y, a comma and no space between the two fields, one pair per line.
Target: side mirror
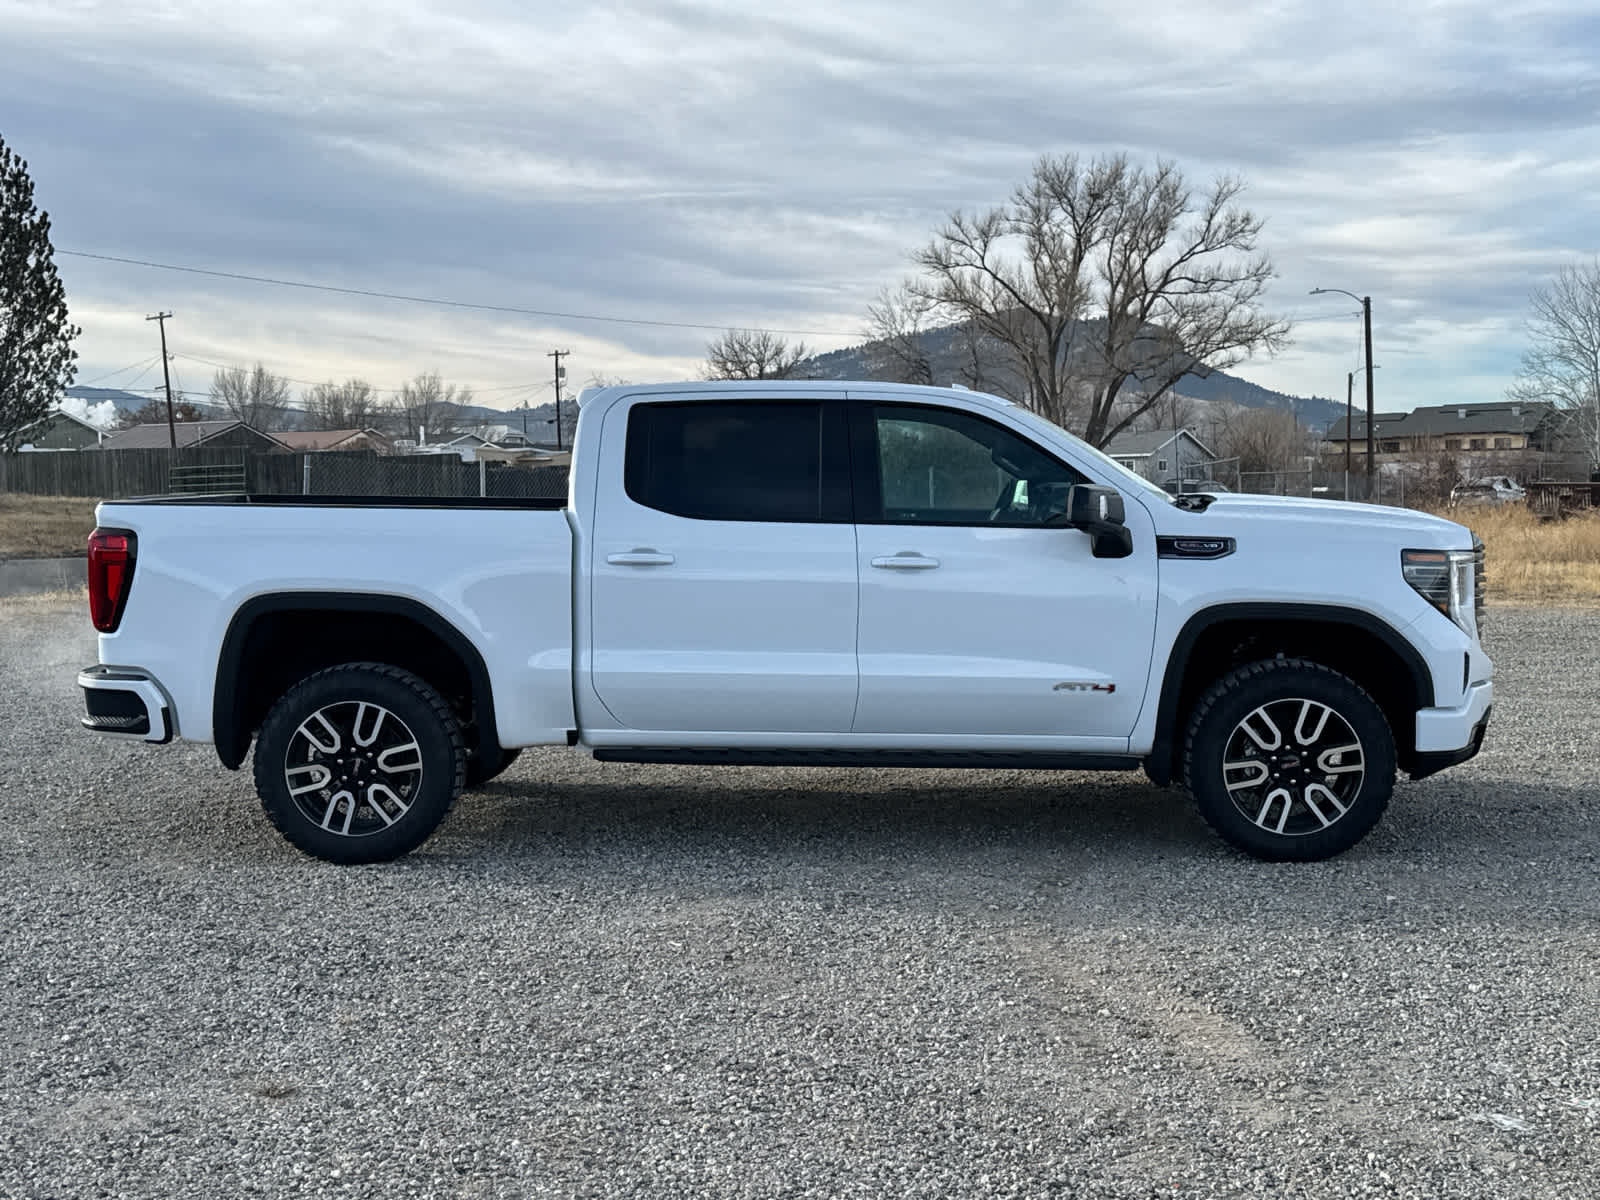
1089,506
1099,512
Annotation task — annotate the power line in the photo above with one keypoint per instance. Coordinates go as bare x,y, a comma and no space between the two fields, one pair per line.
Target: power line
442,303
120,371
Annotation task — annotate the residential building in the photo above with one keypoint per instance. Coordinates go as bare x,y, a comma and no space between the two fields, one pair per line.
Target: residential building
337,439
61,430
1163,456
1478,432
212,435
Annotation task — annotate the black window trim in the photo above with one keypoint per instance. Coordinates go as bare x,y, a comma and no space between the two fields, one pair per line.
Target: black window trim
864,462
834,465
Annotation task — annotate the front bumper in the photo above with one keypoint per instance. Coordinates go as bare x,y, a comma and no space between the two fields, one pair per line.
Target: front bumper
1447,736
125,703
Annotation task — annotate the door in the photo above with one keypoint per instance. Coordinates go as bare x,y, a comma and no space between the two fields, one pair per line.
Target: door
724,568
978,617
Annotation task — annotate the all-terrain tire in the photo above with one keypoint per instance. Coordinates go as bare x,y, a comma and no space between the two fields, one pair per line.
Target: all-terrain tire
1288,760
359,763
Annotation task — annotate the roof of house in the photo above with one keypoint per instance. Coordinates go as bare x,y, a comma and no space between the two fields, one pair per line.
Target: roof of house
1142,445
325,439
189,433
1444,420
61,414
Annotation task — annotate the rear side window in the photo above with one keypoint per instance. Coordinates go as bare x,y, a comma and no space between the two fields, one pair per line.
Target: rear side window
738,461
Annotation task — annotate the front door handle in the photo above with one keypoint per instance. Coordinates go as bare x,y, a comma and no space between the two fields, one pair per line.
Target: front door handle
641,556
906,560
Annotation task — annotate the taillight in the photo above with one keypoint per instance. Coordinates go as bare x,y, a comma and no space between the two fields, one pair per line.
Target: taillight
111,555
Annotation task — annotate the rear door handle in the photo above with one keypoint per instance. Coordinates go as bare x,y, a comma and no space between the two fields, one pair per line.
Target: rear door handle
906,560
641,556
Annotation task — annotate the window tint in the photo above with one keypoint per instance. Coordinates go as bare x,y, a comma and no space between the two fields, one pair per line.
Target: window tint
937,466
731,461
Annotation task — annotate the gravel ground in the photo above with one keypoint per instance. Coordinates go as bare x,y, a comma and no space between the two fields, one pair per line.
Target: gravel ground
612,981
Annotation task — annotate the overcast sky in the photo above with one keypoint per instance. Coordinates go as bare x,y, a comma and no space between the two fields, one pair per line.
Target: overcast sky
697,163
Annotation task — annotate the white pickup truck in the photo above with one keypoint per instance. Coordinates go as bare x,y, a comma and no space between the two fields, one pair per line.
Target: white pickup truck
799,573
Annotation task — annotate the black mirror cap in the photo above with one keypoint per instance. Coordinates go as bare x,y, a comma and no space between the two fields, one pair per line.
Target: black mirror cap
1090,507
1111,542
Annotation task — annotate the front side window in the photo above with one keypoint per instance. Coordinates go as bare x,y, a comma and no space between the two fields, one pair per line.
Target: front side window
941,467
734,461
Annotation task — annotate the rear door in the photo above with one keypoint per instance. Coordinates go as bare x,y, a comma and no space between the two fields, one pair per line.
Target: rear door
724,569
978,617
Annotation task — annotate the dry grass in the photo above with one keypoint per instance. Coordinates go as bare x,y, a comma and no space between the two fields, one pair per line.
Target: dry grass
1530,560
44,526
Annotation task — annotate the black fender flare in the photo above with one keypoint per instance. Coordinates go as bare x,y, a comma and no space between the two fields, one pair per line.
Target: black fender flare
1159,764
233,742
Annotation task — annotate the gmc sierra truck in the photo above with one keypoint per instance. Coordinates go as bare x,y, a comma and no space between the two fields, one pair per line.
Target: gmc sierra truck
798,573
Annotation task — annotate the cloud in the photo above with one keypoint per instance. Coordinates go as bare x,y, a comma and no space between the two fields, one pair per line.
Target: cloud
102,415
718,164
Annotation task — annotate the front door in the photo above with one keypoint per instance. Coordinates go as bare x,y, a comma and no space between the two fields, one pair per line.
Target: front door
977,616
724,568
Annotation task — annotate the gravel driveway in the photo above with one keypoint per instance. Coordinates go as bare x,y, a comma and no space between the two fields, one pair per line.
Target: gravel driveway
605,980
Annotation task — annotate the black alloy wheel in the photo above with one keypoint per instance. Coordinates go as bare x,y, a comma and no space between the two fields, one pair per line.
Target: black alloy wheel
359,763
1289,760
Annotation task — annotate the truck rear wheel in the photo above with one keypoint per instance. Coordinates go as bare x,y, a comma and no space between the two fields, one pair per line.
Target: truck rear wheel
1289,760
359,763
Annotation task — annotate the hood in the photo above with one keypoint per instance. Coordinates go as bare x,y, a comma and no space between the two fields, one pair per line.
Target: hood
1231,512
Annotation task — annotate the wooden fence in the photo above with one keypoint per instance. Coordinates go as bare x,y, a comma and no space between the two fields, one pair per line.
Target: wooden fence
118,474
1553,497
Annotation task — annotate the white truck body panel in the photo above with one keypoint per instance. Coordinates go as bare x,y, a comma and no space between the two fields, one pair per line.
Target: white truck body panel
630,626
502,578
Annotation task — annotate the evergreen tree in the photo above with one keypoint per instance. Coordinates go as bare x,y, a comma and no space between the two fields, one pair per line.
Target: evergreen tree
37,361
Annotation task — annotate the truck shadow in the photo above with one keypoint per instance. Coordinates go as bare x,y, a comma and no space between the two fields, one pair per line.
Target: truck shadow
1464,819
1475,849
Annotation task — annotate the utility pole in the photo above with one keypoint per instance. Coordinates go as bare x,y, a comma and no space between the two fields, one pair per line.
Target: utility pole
166,376
1366,333
1366,322
1349,427
561,373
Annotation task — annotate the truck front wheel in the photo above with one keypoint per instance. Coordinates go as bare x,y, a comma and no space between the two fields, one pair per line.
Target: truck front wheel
1289,760
359,763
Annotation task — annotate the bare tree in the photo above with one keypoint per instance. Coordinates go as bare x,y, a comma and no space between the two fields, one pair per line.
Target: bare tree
428,408
897,326
1262,439
154,412
1562,364
352,404
255,396
1173,411
1102,285
753,354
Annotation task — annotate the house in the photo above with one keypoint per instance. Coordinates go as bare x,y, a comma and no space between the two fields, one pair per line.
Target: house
213,435
337,439
61,430
1162,456
1476,431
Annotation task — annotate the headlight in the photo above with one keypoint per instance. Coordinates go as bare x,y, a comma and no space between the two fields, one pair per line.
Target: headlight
1446,579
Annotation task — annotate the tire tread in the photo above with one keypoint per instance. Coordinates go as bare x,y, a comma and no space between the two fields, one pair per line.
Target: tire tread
419,687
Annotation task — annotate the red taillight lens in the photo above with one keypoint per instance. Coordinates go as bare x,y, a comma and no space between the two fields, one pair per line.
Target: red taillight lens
111,554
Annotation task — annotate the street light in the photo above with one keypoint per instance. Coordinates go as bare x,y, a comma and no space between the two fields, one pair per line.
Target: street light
1366,323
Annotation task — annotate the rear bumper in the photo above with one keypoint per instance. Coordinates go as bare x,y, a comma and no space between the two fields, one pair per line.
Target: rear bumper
1447,736
125,703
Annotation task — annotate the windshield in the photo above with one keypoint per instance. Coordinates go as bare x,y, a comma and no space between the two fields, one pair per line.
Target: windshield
1123,476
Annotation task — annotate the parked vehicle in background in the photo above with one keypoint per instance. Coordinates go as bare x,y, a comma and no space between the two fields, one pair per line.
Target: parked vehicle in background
1489,489
799,573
